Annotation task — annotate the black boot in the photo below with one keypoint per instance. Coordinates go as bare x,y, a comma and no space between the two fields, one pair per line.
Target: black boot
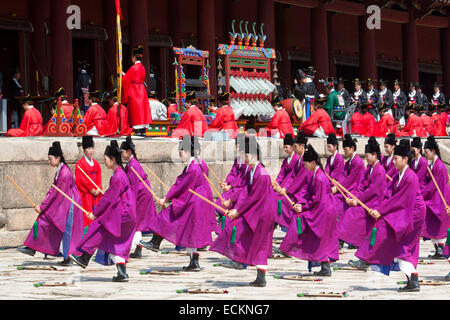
65,263
361,265
122,275
325,271
152,244
260,279
26,250
137,254
439,252
412,285
341,244
193,265
82,261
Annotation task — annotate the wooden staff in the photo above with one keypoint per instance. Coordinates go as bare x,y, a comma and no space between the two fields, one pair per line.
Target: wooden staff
215,176
145,184
157,178
437,187
89,178
387,176
71,200
284,194
357,200
212,186
22,192
335,183
210,202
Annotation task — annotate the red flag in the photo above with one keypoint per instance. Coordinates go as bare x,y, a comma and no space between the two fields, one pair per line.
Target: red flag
118,10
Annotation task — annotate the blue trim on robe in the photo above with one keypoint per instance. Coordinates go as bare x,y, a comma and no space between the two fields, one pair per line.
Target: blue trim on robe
67,236
102,258
385,269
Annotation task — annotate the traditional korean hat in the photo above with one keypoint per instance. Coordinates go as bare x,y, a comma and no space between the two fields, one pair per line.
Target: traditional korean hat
152,94
61,93
301,138
128,144
276,100
55,150
310,154
372,146
349,142
332,139
403,148
412,84
340,80
431,144
224,97
329,82
357,81
437,84
113,94
138,52
190,96
300,74
113,152
27,99
383,82
418,85
95,95
320,100
83,64
369,81
310,71
382,107
396,82
390,139
288,140
416,143
87,142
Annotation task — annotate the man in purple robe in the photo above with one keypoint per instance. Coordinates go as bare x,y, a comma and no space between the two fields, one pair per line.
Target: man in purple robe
399,222
436,220
387,162
114,221
353,176
145,207
311,234
289,163
186,222
59,227
335,162
419,164
356,224
248,239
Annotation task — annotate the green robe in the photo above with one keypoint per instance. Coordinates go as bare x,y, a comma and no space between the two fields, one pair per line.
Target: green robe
332,103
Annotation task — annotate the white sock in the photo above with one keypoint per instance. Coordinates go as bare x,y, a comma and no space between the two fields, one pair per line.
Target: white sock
438,241
191,251
406,267
261,267
117,259
137,237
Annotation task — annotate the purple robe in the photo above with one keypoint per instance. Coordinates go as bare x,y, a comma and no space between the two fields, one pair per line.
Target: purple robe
400,225
436,221
421,169
390,169
145,206
210,196
336,170
113,229
187,222
287,169
60,220
296,191
356,224
236,173
254,226
318,241
353,175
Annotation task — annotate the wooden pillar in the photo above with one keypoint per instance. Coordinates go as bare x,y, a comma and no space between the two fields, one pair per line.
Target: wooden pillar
367,51
266,15
110,46
319,40
281,42
445,58
410,49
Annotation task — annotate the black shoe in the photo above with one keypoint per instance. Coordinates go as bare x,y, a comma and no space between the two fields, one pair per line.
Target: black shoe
65,263
260,279
193,265
438,255
26,250
412,285
152,244
341,244
361,265
122,275
447,277
82,261
325,271
137,254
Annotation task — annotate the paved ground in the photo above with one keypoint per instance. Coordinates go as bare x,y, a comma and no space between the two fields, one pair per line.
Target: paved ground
95,281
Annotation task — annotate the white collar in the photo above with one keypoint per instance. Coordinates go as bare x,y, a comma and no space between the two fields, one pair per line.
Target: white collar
83,71
383,92
358,93
315,171
374,166
253,172
389,159
308,80
59,169
189,163
137,62
434,161
290,157
412,94
401,175
352,157
332,90
397,93
90,162
17,82
437,94
371,92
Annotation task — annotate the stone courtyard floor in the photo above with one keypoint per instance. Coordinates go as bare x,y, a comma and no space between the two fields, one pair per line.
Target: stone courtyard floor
94,283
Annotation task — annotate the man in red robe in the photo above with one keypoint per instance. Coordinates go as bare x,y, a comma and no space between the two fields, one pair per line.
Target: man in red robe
225,119
427,124
95,117
31,124
368,122
135,95
437,129
387,123
113,117
280,123
193,122
90,195
414,126
319,123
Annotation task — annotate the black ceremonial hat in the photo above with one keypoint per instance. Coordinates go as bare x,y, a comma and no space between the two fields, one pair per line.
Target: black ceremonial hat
332,139
390,139
87,142
417,143
403,148
288,139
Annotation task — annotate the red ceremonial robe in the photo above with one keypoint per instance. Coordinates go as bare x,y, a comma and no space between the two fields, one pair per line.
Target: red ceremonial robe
437,129
96,116
356,123
386,125
368,125
113,121
225,121
135,96
414,127
427,124
320,118
31,124
192,123
281,122
84,185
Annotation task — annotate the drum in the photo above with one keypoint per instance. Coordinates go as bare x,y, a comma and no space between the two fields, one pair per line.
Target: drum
294,108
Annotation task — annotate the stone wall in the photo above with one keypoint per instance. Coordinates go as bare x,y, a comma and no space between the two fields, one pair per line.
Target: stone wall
26,161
